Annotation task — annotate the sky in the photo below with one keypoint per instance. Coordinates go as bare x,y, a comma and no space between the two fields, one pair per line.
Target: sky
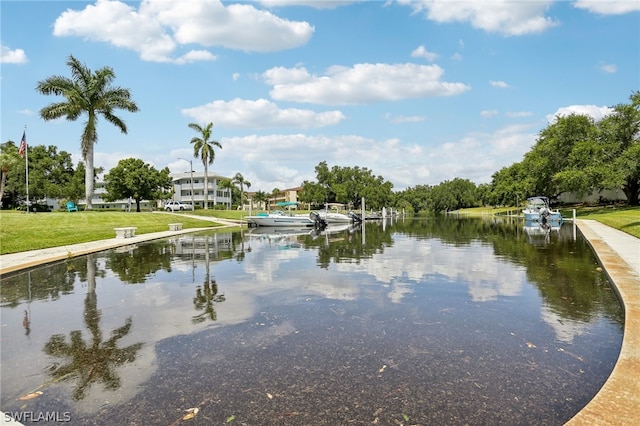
418,92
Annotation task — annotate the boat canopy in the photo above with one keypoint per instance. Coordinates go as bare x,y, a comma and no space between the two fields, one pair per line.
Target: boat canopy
287,203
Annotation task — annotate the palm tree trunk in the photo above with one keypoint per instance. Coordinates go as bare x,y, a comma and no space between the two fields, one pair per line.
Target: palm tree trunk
3,183
206,188
88,176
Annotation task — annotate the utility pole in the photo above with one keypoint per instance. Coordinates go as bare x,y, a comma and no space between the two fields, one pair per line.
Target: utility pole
191,169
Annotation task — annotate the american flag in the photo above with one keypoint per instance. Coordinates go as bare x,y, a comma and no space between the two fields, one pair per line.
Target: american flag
23,144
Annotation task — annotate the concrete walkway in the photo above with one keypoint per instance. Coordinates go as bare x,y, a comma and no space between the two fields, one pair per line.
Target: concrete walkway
617,403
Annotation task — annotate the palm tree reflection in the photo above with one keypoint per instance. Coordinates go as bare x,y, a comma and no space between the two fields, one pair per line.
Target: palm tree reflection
95,361
206,295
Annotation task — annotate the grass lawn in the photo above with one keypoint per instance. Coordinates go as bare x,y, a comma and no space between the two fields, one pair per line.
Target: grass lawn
626,219
20,231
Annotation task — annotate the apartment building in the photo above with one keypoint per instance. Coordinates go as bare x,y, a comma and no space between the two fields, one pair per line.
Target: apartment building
189,188
182,187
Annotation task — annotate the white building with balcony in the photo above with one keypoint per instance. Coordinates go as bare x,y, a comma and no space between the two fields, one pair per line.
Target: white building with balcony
192,191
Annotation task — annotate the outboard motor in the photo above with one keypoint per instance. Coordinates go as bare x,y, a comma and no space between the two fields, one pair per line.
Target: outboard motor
355,217
544,216
318,222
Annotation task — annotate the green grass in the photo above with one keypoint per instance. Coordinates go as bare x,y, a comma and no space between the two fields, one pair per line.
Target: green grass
624,218
21,232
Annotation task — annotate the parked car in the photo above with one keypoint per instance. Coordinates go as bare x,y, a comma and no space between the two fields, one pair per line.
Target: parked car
35,207
172,206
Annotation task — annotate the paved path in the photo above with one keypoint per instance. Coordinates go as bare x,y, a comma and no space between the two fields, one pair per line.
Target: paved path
617,403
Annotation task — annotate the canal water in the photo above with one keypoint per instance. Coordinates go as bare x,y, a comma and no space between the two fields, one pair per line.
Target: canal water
414,322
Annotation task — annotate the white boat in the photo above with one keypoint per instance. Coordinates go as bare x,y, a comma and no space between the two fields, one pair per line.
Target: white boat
538,211
282,219
335,217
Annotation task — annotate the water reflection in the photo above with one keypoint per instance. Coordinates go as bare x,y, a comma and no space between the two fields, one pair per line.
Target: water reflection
440,320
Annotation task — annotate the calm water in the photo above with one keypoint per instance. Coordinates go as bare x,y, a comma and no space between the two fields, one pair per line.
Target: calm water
413,322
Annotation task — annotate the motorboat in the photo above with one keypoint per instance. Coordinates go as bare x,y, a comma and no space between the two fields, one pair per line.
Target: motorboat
281,218
335,217
539,211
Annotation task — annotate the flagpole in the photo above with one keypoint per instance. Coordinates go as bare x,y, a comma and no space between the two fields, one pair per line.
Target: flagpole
26,162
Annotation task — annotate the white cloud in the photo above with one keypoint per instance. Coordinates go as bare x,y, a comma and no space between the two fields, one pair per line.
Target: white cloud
400,119
195,56
488,113
609,7
478,155
286,160
507,17
608,68
499,84
260,114
16,56
361,84
594,111
158,28
519,114
316,4
422,52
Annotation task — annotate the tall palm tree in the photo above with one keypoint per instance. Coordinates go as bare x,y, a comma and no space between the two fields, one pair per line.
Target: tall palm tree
238,179
203,148
227,184
89,93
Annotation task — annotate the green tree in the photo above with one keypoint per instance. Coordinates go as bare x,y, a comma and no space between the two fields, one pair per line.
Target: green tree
619,155
508,186
552,152
228,184
416,197
348,185
275,193
9,160
239,180
313,193
50,172
260,197
89,93
441,198
74,189
134,178
203,149
579,155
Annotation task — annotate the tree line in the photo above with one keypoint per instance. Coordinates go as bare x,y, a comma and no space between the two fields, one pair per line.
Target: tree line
575,153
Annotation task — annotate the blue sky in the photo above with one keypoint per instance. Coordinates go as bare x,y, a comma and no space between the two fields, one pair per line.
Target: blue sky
417,91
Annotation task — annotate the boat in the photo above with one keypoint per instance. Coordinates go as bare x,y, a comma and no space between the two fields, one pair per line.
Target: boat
281,218
335,217
539,211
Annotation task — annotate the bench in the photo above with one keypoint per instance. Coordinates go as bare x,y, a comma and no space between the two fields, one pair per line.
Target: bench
127,232
175,227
